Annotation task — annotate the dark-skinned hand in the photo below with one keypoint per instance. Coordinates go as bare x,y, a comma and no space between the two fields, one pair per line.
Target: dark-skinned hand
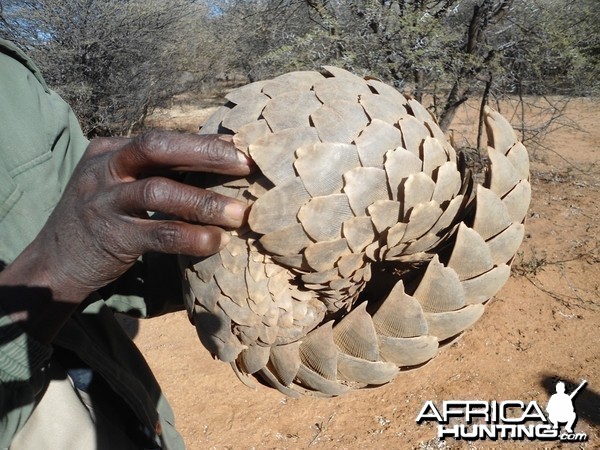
101,226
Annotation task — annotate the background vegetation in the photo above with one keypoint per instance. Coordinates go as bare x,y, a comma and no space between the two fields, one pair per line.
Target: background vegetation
117,60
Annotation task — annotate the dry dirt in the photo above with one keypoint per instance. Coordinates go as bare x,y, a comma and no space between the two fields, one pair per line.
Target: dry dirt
541,327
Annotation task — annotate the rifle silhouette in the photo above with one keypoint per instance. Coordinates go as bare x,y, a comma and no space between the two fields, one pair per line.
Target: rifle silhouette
574,393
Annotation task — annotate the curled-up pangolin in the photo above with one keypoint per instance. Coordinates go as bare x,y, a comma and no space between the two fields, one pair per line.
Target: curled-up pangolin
368,243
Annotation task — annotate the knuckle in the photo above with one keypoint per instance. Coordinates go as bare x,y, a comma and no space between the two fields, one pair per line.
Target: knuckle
217,150
102,145
209,206
151,143
90,172
223,150
167,236
95,147
154,191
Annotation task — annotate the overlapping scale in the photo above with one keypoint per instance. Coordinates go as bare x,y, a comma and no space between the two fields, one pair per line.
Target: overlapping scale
434,155
305,103
444,325
291,81
247,112
278,208
322,217
383,108
363,371
355,335
364,186
285,362
323,255
517,209
319,353
287,241
399,165
501,135
375,141
254,358
491,215
356,184
276,165
340,121
447,182
439,290
400,315
503,176
504,246
315,382
519,158
408,351
484,286
359,232
333,161
414,132
387,92
345,89
470,256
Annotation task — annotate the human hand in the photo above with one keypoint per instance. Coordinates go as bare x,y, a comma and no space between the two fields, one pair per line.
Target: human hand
101,226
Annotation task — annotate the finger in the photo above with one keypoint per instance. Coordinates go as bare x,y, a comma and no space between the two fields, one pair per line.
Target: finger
157,150
186,202
103,145
170,236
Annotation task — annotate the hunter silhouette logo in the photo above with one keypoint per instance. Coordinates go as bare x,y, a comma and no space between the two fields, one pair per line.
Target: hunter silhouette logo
560,407
506,420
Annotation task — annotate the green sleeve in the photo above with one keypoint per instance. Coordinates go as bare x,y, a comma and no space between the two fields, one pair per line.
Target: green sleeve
40,145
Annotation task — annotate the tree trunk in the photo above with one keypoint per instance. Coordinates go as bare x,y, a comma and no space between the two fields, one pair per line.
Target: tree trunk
484,101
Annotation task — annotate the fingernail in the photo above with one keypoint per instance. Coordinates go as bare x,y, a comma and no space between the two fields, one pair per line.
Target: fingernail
225,238
235,211
244,159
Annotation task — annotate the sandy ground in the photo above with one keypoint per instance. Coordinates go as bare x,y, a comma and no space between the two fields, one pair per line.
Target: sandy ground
543,326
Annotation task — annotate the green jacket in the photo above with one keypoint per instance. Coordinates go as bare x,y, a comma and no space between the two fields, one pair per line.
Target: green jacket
40,145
